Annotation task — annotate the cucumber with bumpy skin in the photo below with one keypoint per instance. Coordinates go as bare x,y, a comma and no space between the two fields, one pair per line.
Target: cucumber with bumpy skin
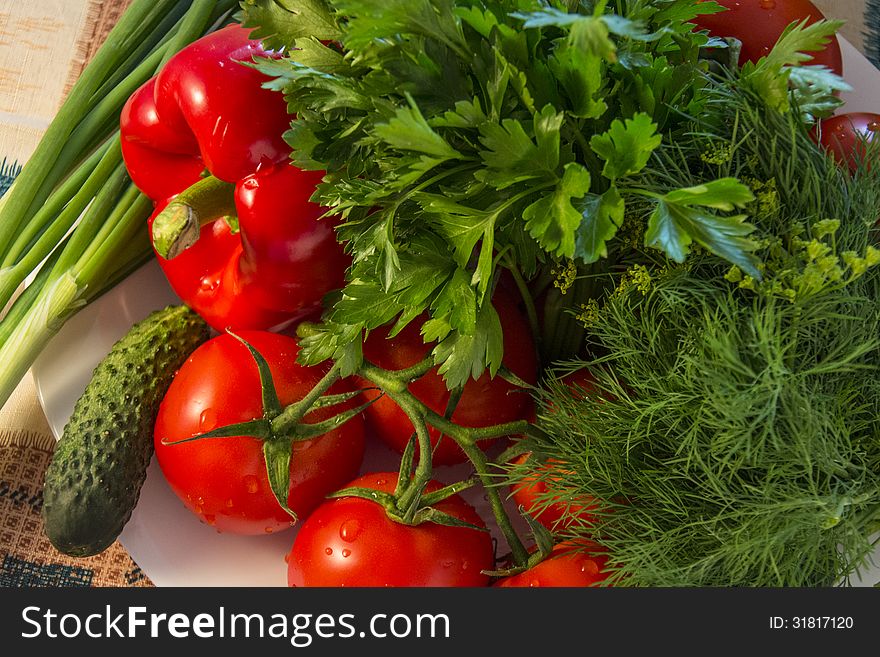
94,478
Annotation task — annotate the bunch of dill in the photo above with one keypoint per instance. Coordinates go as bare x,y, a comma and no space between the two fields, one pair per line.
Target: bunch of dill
733,436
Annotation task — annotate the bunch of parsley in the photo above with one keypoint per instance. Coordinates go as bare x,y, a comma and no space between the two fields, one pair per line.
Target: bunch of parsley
463,137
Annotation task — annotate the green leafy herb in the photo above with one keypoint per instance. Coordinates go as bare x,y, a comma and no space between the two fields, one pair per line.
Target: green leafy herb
501,130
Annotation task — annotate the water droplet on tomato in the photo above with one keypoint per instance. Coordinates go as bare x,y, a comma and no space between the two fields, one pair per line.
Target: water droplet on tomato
534,583
251,484
229,503
349,530
873,126
268,530
208,420
346,553
381,482
465,565
448,564
590,567
767,4
211,519
328,551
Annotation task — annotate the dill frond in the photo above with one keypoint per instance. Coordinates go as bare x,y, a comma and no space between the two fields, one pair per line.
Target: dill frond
733,438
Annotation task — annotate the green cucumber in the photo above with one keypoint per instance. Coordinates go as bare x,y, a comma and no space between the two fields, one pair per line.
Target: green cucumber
94,478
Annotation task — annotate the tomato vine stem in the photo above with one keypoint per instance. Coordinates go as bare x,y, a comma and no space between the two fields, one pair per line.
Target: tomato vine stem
466,437
394,383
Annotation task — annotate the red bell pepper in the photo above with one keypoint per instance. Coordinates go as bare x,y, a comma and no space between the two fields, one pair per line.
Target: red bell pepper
203,139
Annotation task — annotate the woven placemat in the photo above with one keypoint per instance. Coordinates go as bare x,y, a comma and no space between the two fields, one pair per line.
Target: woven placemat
27,558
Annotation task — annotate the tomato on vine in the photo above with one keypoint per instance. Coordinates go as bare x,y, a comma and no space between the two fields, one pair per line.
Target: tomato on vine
224,481
483,402
568,565
351,541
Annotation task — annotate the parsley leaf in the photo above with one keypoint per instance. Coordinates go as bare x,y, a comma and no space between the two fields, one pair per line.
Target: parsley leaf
770,76
458,136
681,218
627,145
602,216
408,131
553,220
463,356
280,23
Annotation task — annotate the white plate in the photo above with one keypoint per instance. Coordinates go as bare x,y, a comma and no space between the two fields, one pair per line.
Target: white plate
169,544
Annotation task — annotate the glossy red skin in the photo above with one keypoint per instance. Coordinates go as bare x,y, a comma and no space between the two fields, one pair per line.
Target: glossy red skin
351,542
292,259
223,480
760,23
564,567
205,110
484,402
844,136
531,494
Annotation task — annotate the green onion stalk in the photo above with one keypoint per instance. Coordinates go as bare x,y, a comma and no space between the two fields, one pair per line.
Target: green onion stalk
73,224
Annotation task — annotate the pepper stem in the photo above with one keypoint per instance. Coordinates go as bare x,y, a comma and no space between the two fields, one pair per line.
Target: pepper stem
177,227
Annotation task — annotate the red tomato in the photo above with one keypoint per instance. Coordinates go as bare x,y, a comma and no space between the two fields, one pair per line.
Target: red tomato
532,492
758,24
484,402
350,541
845,135
532,495
581,382
223,480
565,566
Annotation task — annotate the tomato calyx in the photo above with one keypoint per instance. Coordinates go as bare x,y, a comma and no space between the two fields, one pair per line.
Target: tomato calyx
409,504
280,427
424,512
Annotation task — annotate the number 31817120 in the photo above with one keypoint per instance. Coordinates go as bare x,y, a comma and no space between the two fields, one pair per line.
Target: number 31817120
821,622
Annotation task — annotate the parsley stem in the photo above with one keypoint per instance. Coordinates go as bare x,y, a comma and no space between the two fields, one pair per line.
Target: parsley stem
528,301
640,192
